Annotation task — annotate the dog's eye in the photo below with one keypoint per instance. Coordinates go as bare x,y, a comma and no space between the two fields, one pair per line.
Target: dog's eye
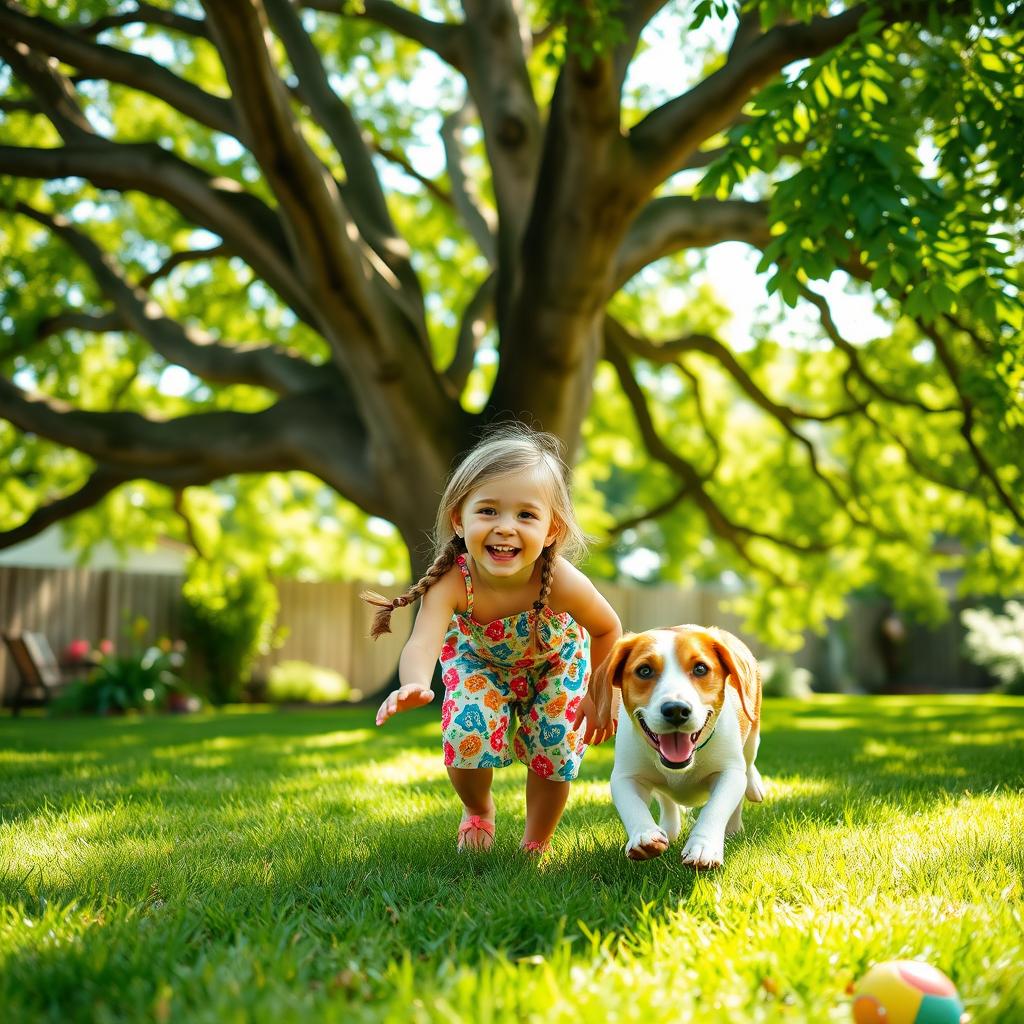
645,671
700,669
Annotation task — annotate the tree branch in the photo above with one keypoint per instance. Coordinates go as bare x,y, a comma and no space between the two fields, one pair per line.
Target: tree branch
147,14
73,320
467,204
986,468
445,39
332,114
259,365
218,203
786,417
54,94
666,136
362,195
102,481
635,16
856,363
401,160
671,223
665,352
652,513
176,259
497,41
323,238
478,314
734,534
115,65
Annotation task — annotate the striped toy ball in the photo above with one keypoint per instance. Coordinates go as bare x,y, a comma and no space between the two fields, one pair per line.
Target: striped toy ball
906,992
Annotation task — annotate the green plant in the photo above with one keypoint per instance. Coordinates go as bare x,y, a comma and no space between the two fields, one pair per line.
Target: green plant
995,641
781,678
126,682
301,681
228,618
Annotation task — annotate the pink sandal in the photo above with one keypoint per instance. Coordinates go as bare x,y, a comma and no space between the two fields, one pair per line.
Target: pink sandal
474,821
535,848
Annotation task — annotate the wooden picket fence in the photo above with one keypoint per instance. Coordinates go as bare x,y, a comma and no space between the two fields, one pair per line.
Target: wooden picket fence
326,624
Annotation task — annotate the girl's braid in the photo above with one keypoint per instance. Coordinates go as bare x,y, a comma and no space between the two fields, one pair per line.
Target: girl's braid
547,574
385,606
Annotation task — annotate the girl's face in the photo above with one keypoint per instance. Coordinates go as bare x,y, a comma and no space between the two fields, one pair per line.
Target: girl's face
507,523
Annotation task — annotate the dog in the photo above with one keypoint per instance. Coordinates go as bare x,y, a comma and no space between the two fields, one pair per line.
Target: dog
688,733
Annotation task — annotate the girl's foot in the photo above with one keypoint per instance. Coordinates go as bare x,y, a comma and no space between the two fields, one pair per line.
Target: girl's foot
475,833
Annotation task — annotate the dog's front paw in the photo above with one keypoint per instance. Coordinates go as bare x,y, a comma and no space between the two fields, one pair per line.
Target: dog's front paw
647,844
703,852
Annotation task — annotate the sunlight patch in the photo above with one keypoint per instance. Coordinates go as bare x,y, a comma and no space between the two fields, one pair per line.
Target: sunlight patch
403,769
342,738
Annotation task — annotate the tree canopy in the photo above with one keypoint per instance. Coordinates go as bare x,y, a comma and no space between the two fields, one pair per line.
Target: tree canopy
233,248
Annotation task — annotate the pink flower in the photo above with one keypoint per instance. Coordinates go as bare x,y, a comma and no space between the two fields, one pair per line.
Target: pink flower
496,630
449,753
447,710
451,679
106,646
571,707
448,652
498,736
77,650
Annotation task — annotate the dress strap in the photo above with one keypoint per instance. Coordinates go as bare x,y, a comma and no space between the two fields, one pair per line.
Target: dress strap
464,567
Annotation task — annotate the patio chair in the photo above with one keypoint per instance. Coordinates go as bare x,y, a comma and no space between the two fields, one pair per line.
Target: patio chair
37,665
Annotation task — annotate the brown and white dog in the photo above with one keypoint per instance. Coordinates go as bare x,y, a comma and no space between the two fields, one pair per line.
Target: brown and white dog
688,732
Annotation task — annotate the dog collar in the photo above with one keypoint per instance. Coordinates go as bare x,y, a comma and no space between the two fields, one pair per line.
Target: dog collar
708,740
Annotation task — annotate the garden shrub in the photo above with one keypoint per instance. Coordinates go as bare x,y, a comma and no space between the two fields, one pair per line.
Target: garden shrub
228,616
138,681
301,681
995,641
781,678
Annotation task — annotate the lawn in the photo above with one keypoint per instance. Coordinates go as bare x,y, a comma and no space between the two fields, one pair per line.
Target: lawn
272,866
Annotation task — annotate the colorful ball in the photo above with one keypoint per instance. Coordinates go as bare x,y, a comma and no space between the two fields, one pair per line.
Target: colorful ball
906,992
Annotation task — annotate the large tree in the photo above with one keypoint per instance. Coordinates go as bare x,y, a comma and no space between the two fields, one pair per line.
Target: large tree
237,189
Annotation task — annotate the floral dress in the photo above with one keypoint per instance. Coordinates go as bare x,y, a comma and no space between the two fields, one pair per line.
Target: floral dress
505,695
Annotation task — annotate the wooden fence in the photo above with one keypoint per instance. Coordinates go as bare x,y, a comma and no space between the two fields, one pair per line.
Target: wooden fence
328,625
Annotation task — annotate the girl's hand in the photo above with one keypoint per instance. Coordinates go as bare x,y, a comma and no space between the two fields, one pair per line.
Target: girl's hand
405,698
587,723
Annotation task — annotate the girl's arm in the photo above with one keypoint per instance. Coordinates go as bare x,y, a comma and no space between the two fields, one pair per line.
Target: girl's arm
571,591
423,648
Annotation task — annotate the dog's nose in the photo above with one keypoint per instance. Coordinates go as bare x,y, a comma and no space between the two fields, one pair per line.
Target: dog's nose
675,711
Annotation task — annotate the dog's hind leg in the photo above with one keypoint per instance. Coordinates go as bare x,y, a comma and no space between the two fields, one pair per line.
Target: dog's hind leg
755,784
735,820
668,816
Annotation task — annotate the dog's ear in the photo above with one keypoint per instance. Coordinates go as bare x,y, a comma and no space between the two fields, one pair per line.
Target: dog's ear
609,674
741,668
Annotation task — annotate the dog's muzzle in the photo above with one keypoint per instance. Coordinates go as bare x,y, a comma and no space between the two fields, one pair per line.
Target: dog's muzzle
676,749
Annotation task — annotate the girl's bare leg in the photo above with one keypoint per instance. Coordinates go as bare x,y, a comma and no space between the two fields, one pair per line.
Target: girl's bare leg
474,788
545,801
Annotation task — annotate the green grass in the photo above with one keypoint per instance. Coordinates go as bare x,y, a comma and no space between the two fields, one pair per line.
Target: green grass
275,867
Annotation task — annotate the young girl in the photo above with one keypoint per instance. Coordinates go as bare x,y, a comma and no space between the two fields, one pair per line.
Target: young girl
517,628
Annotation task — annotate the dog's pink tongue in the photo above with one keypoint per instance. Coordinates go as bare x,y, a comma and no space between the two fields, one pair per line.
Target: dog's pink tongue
676,746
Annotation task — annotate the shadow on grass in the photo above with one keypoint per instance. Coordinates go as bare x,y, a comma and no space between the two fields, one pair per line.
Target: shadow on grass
213,827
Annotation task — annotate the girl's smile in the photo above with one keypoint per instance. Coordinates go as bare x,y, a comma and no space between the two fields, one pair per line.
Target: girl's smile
507,523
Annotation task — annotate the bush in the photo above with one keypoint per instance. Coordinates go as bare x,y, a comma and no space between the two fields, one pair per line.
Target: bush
300,681
996,642
781,678
131,682
228,619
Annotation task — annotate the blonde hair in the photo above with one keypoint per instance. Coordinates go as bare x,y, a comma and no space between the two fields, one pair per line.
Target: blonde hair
504,449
